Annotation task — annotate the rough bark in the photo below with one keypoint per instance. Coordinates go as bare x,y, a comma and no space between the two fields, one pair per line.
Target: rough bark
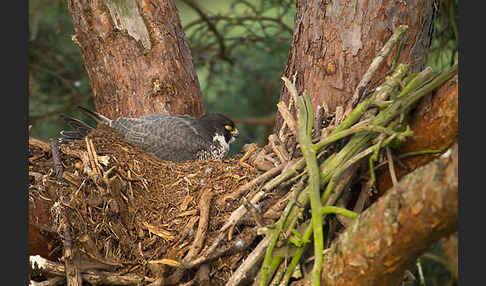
136,57
390,235
450,246
435,125
334,42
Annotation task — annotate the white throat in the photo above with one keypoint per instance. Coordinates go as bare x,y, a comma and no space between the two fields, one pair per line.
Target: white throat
220,138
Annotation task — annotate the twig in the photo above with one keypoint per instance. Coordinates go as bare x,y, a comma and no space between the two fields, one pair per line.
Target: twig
254,212
41,144
56,159
275,211
291,168
397,55
319,118
202,275
291,87
287,220
421,273
343,183
282,155
278,275
421,152
48,267
81,154
49,282
391,168
375,64
417,81
373,158
73,275
247,155
381,94
240,212
241,19
92,156
188,283
204,208
353,130
363,197
213,253
113,187
246,187
287,116
158,282
188,229
253,258
435,182
338,211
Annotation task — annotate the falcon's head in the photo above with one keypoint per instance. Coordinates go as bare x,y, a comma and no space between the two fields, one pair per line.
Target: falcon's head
221,127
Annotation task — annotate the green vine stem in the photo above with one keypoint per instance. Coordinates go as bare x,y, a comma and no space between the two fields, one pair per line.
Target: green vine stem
304,136
338,211
421,152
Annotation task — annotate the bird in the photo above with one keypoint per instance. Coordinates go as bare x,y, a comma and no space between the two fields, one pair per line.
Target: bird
175,138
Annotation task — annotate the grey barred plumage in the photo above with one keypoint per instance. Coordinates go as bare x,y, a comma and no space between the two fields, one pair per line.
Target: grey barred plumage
171,138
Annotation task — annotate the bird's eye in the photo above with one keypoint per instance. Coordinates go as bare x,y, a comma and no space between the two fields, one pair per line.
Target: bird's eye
228,127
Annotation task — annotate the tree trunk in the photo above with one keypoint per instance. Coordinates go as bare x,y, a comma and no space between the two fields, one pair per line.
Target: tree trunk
136,56
334,43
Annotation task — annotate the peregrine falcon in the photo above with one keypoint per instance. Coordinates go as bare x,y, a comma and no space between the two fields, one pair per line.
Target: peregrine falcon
171,138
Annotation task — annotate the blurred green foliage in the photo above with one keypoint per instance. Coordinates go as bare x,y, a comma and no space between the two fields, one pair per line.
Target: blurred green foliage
240,59
444,46
239,62
57,80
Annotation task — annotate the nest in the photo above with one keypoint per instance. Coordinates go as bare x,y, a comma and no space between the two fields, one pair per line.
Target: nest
131,213
124,217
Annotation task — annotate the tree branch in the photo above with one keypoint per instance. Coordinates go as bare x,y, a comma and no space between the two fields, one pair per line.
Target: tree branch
414,214
222,46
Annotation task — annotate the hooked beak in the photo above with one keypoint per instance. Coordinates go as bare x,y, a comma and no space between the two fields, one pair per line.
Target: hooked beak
235,132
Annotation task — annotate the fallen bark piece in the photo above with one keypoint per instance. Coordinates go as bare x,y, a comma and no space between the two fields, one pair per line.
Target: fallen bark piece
388,237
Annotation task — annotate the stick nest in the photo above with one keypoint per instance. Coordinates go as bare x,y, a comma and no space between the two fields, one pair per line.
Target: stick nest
127,208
